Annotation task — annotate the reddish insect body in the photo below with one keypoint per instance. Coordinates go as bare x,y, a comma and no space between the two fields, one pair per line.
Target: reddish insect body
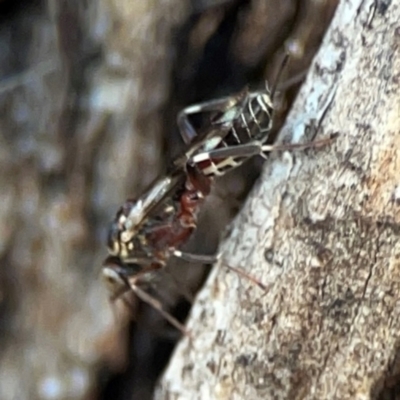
147,232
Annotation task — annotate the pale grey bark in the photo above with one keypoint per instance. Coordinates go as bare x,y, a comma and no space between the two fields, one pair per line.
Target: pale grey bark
321,230
84,90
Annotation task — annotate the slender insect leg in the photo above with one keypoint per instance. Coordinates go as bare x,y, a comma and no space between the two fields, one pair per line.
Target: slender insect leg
157,306
296,146
187,130
241,150
206,259
121,275
247,276
254,148
129,305
283,65
115,276
196,258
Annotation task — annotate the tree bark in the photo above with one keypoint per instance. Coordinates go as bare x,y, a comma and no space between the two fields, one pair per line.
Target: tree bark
321,230
89,92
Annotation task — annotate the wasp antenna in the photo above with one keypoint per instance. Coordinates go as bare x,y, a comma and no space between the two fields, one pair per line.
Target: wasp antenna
279,74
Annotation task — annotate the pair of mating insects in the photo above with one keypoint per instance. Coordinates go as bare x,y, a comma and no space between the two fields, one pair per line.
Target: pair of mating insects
148,231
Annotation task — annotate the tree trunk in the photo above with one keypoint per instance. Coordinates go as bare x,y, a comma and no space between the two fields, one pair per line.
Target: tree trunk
89,92
321,231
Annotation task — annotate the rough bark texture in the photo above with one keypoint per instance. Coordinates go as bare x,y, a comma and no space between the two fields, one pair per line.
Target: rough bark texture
321,230
89,92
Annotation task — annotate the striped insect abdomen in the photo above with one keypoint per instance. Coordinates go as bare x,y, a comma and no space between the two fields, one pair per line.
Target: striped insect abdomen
249,121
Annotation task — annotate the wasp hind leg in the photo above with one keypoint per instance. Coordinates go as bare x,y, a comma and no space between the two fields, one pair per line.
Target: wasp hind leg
206,259
252,149
196,258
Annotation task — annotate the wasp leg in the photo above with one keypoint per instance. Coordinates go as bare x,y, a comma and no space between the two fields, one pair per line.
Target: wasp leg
196,258
126,278
239,151
296,146
247,276
206,259
252,149
153,302
187,130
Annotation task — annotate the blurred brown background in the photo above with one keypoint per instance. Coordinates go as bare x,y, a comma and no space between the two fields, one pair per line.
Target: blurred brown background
89,92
